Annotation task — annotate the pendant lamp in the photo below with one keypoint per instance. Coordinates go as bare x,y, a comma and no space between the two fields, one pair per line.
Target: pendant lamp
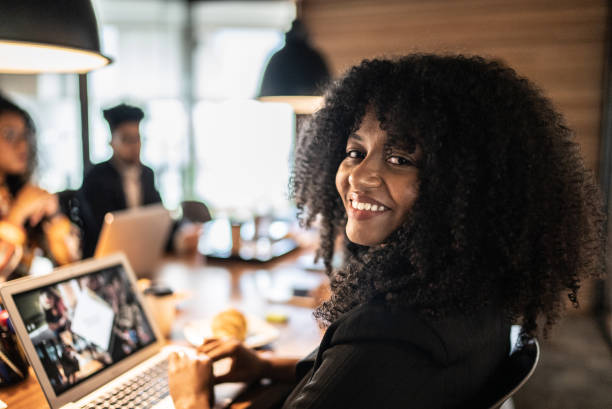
39,36
295,73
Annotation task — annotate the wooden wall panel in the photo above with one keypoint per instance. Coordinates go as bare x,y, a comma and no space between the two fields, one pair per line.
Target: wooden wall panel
557,44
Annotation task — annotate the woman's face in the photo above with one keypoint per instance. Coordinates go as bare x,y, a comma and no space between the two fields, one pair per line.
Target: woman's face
378,183
13,144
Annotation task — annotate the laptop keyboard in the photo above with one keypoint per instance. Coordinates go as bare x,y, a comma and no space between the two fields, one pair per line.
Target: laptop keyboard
142,391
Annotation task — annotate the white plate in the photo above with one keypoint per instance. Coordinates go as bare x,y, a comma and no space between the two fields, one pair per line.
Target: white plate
259,332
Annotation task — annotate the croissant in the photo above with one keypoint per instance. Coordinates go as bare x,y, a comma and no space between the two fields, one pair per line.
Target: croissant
229,324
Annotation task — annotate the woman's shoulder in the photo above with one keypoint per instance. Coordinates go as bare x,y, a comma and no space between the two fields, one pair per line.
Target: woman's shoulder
446,339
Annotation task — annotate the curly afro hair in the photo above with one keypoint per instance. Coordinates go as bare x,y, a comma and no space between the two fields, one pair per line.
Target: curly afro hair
506,215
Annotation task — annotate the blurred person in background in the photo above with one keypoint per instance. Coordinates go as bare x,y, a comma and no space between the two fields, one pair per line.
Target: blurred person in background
70,363
124,182
55,311
30,217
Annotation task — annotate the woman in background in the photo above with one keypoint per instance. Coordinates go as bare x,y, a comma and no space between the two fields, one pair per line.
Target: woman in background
29,216
55,311
464,206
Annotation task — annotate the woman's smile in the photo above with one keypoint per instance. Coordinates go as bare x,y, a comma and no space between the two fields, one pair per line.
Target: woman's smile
364,207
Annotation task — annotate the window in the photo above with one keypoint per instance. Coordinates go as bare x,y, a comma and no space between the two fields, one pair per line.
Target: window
243,150
242,146
146,41
234,157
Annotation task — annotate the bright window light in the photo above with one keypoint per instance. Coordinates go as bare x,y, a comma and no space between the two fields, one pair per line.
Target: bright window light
243,154
230,61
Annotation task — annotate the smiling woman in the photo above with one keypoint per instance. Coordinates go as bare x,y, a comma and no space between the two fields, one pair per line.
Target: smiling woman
464,207
504,213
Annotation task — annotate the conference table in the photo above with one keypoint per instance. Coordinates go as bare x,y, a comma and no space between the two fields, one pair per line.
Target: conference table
205,287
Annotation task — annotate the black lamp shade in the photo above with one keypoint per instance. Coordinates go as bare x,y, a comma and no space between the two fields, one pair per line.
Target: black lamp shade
49,36
296,71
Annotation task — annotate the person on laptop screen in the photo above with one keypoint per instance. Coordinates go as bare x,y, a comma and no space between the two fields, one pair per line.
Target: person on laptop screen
123,181
29,216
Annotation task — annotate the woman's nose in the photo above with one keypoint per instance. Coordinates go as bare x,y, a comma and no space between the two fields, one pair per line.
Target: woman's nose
365,176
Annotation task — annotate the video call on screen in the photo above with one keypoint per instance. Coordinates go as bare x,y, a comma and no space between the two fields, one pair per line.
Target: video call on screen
81,326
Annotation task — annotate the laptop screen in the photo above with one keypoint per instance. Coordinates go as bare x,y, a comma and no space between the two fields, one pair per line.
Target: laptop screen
84,325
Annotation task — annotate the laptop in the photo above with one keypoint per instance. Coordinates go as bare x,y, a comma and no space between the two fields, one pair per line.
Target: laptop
90,339
141,233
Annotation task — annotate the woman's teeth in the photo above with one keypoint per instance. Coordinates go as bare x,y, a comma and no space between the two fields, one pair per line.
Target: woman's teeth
367,206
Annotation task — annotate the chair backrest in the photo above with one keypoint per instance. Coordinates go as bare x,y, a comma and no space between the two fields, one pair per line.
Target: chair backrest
515,372
195,211
510,376
66,201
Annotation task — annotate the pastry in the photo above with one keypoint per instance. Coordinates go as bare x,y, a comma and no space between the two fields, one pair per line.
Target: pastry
229,323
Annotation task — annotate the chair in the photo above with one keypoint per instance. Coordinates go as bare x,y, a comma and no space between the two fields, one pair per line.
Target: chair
511,376
515,372
195,211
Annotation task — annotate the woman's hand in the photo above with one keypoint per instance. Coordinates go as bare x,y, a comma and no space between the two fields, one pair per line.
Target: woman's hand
190,380
32,204
63,239
247,365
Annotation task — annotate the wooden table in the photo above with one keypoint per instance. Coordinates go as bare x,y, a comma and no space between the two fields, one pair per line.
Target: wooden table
210,287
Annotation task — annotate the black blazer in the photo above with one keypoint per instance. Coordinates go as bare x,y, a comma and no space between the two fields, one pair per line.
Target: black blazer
372,357
102,192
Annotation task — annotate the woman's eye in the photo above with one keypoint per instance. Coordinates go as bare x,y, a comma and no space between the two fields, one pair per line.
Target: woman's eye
399,160
353,154
10,136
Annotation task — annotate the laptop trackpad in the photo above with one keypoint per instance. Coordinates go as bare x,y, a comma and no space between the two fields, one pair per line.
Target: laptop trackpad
225,393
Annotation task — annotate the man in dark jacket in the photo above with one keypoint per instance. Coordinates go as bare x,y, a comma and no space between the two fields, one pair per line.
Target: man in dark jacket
119,183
